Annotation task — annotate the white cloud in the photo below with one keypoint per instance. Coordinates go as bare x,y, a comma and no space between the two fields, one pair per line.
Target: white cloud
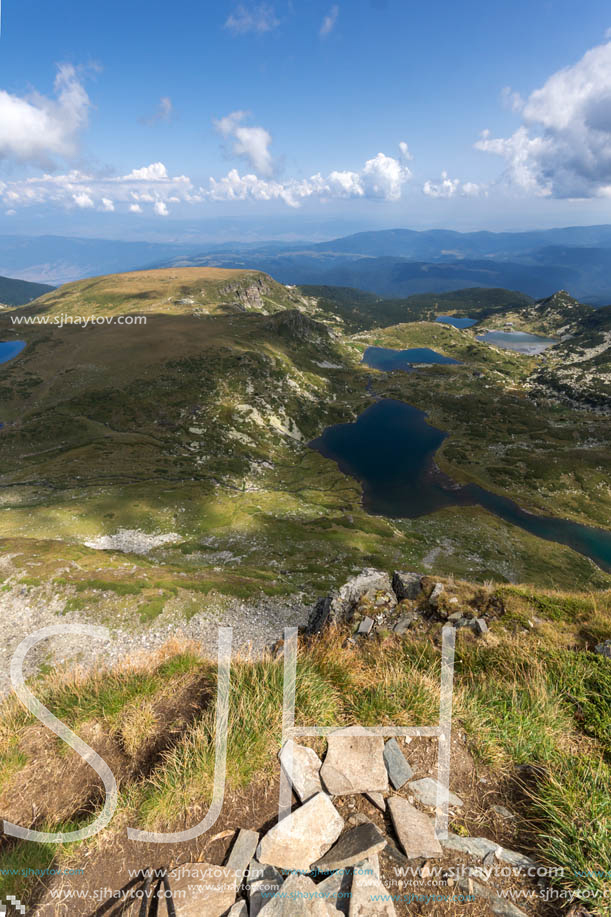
37,129
82,200
563,147
155,172
258,19
329,22
161,209
251,143
450,187
135,208
163,112
108,205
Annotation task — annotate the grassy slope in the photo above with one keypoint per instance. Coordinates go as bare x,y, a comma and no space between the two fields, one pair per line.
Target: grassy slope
529,694
19,292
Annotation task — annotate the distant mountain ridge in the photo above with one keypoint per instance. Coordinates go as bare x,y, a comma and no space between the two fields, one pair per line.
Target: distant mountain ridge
20,292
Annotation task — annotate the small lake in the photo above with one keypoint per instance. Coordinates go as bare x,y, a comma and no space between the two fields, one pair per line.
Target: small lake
390,450
386,359
456,322
519,341
10,349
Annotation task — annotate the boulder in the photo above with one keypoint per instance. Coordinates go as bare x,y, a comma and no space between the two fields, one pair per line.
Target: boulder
366,626
368,894
200,888
405,623
335,891
399,771
407,585
297,898
305,769
427,789
378,801
354,763
415,830
436,595
604,649
242,853
239,910
479,626
354,846
303,836
339,607
264,882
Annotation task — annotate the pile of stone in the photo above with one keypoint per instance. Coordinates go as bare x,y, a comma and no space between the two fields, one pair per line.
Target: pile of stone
373,601
314,863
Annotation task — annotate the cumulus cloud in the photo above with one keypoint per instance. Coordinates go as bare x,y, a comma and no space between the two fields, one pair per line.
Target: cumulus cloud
161,209
82,200
563,146
329,22
38,129
251,143
135,208
259,19
450,187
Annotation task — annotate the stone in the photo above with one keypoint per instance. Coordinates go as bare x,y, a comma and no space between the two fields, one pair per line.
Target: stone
242,853
297,898
239,910
339,607
406,585
404,624
415,830
501,907
368,894
481,847
305,771
455,617
200,888
355,845
399,771
479,626
354,763
366,626
426,790
435,595
303,836
377,800
335,891
604,649
502,812
264,882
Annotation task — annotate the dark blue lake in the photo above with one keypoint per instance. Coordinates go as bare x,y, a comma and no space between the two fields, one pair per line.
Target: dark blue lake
519,341
386,359
390,450
457,322
10,349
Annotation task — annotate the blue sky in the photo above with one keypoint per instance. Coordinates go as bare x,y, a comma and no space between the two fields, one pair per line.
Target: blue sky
132,118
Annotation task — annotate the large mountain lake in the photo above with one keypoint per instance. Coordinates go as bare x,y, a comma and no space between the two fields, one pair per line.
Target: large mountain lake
10,349
390,450
456,322
386,359
519,341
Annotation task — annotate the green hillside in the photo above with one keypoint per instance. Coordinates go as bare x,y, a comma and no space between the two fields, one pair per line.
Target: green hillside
20,292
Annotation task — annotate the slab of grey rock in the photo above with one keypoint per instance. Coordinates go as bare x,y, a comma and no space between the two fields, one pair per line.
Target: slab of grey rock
264,882
354,763
297,899
242,853
239,910
399,771
406,585
435,595
335,891
404,624
355,845
604,649
200,888
303,836
479,626
304,765
480,847
426,789
502,812
378,800
368,894
366,626
414,829
499,906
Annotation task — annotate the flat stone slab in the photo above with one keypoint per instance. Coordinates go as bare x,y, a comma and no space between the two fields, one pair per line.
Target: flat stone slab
502,907
378,800
200,888
398,769
414,829
366,626
426,791
354,763
297,898
477,847
368,893
264,882
352,847
335,891
239,910
302,837
304,766
242,853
